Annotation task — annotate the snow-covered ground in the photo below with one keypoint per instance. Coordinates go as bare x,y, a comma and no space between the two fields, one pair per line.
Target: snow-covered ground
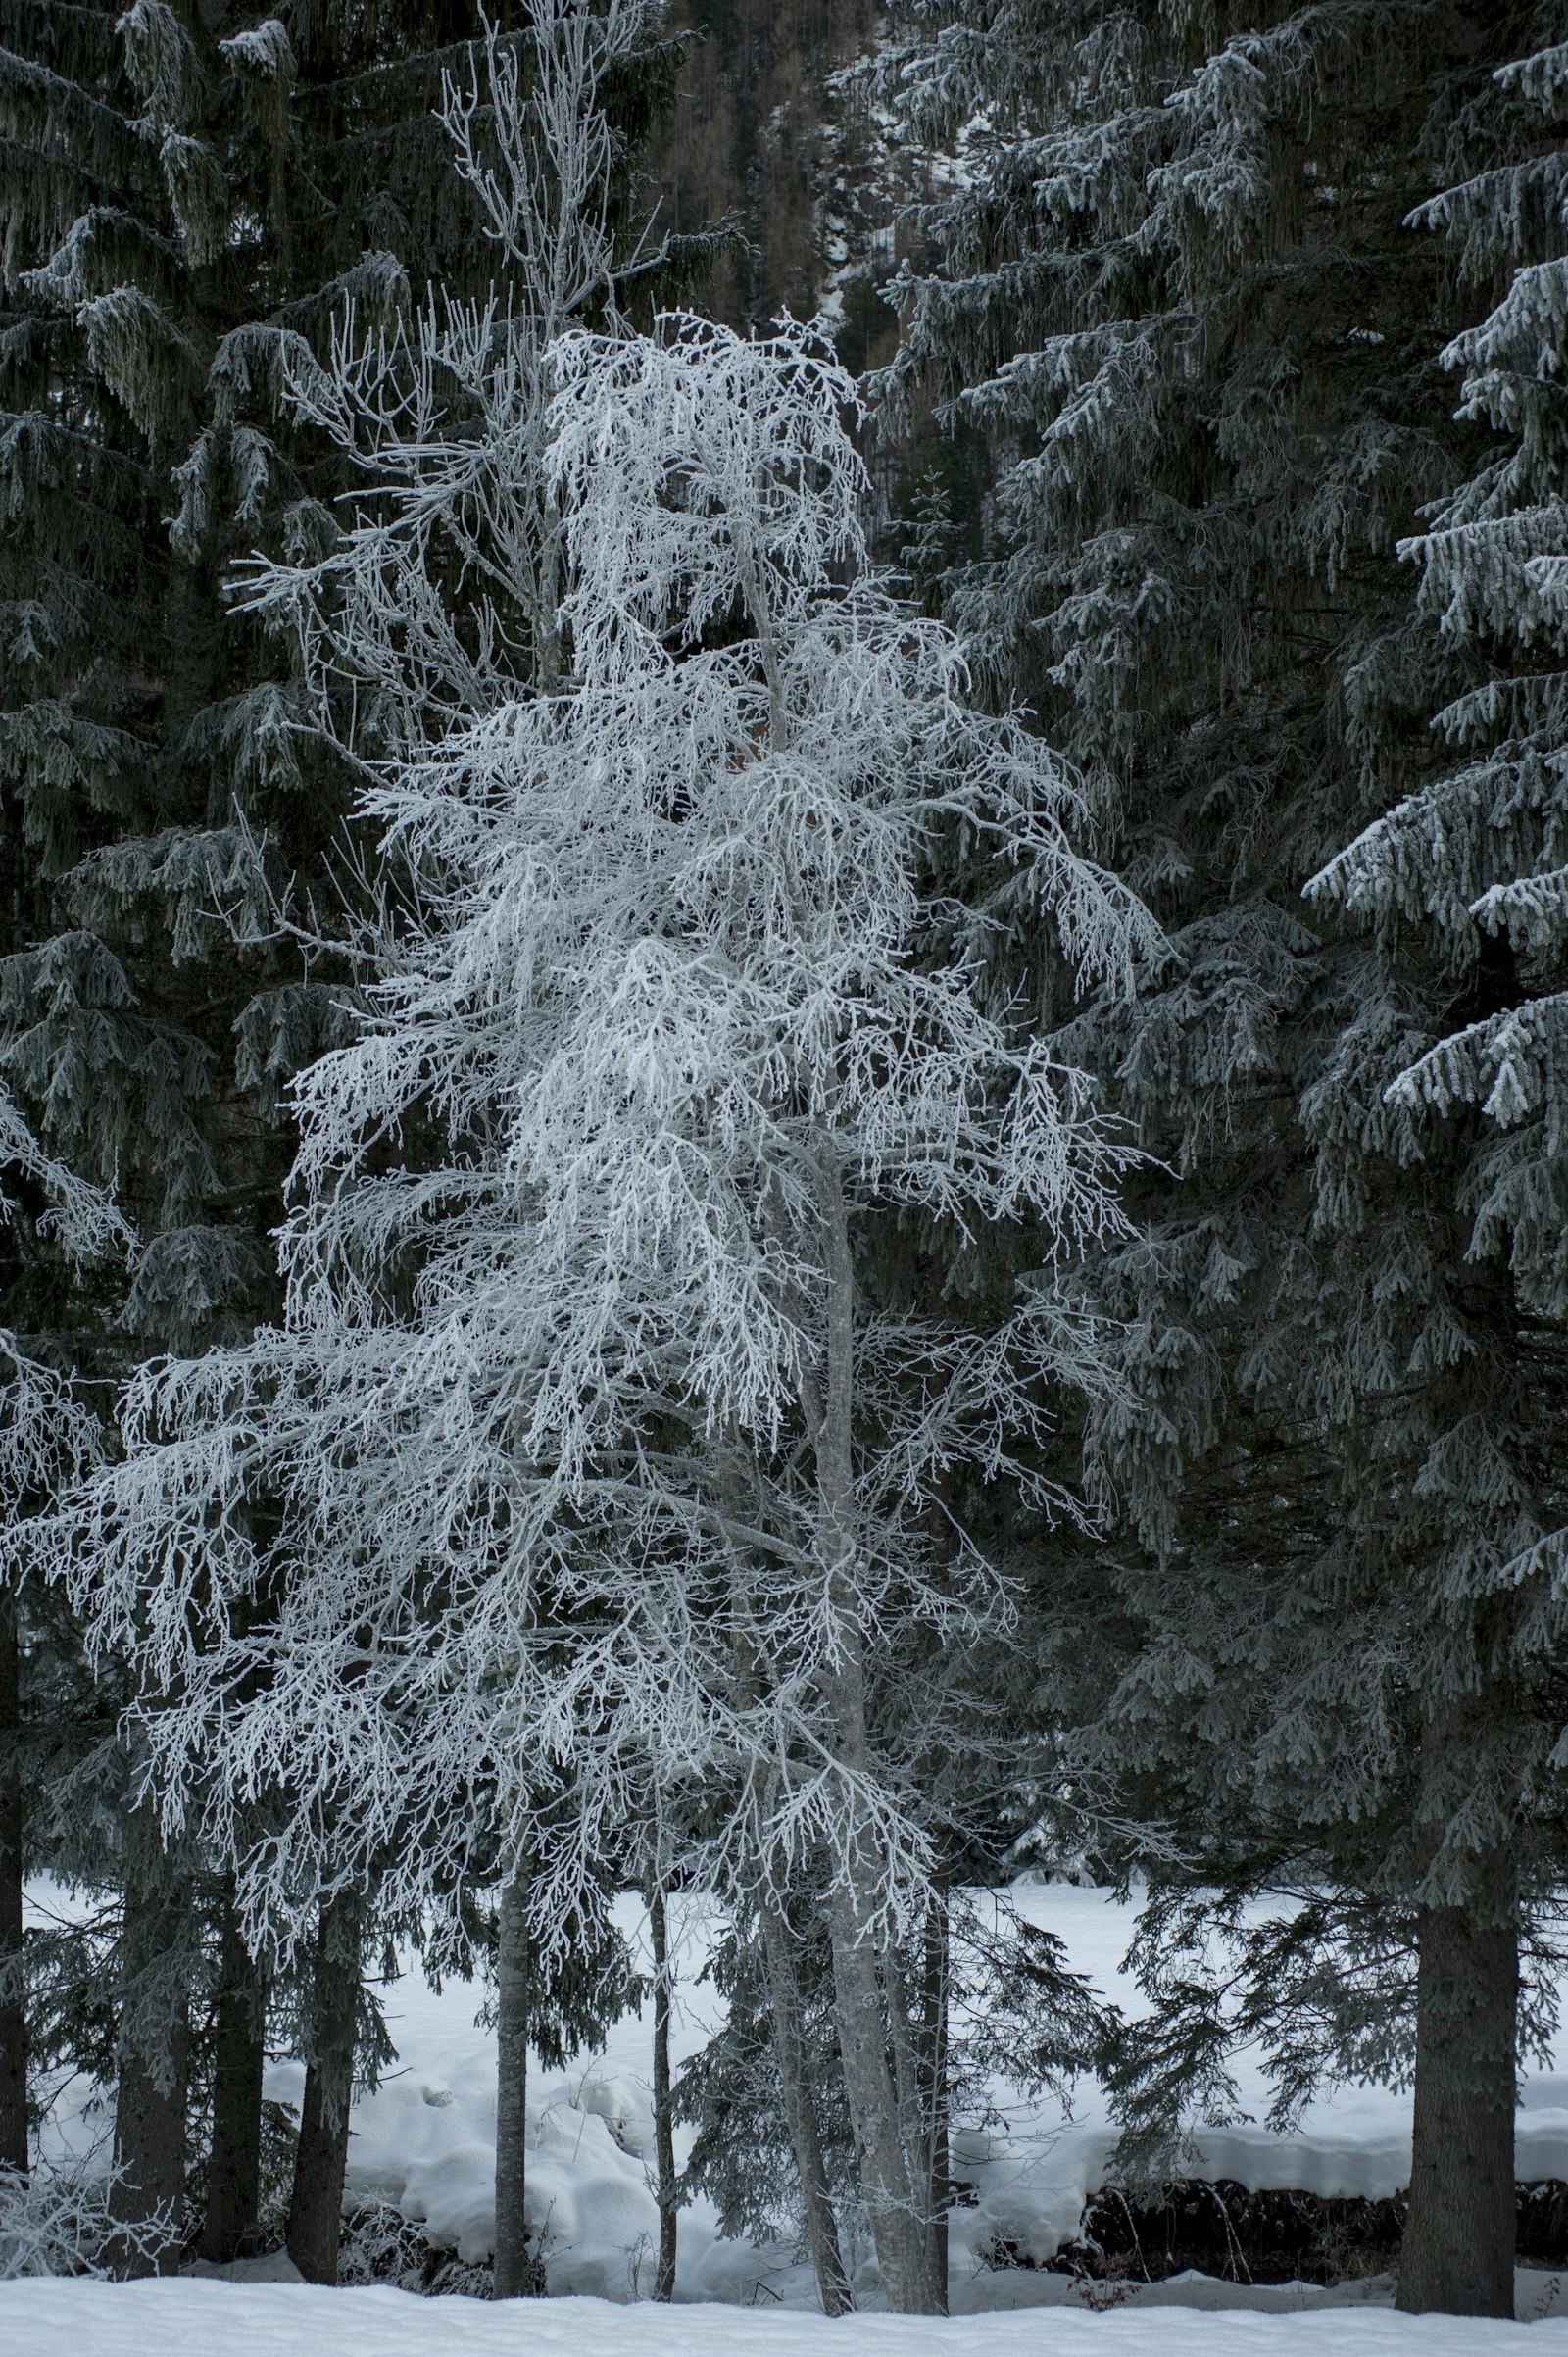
426,2142
185,2319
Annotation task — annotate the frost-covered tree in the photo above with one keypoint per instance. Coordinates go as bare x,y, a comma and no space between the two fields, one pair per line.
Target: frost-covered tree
603,1464
1177,295
48,1438
189,195
327,185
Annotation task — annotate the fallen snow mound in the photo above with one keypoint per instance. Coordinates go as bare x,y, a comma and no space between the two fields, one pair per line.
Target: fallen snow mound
193,2319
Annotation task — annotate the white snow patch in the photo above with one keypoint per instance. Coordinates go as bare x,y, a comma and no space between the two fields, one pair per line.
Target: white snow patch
425,2141
180,2318
1032,2169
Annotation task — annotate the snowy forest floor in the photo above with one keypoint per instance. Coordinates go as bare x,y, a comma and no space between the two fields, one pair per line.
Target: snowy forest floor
186,2319
422,2151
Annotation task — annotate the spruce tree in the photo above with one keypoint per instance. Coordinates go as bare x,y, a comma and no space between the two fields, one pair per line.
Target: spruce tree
1180,298
188,195
1464,883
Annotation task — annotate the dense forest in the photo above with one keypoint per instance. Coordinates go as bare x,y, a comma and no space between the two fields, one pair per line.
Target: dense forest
783,1094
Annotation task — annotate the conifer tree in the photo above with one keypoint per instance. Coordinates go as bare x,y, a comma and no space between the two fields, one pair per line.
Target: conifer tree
1464,881
646,1431
288,178
1180,298
188,194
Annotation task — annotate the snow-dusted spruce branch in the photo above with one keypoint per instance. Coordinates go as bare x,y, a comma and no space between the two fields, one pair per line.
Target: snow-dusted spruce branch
589,1457
442,410
62,2223
49,1440
1483,849
82,1218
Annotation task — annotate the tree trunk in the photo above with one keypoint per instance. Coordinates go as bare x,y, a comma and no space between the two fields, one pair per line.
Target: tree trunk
898,2227
234,2174
912,2081
150,2103
321,2158
13,1991
517,2271
789,2049
665,2193
152,2064
894,2195
1458,2250
934,2039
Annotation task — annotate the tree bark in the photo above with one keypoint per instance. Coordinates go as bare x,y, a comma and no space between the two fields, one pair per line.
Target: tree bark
13,1989
864,1981
234,2172
153,2062
1458,2250
517,2270
321,2157
890,2196
799,2112
666,2191
934,2030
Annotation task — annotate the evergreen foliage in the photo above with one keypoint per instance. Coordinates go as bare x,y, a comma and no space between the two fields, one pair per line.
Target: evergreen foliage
1181,297
188,195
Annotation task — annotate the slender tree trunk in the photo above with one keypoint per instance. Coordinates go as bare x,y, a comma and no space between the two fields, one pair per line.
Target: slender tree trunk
321,2158
13,1991
799,2112
912,2084
897,2228
666,2191
150,2105
517,2271
235,2174
153,2060
934,2027
1458,2248
865,1981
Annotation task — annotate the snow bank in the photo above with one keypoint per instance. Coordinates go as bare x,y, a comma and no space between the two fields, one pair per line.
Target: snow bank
186,2319
425,2141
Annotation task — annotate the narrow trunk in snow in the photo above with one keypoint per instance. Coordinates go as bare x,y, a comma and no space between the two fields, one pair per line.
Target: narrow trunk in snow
665,2188
515,2270
934,2044
13,1996
321,2157
1458,2250
150,2103
799,2112
895,2214
152,2063
867,2008
239,2056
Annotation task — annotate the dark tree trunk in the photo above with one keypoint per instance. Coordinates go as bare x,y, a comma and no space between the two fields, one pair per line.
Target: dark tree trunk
321,2158
517,2271
1458,2249
933,2042
666,2191
789,2049
153,2061
13,1995
234,2174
